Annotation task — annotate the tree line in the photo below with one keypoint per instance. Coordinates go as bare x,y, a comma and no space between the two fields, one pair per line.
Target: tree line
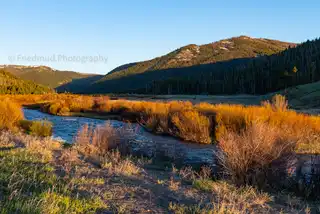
10,84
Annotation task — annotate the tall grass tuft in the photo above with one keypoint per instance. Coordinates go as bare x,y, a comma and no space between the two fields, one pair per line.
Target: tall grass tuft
278,103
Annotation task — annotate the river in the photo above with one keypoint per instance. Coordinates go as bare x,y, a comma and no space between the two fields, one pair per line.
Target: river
141,141
147,144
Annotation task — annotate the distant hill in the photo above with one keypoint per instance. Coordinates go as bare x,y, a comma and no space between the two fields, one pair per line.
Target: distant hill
190,60
80,85
44,75
10,84
302,97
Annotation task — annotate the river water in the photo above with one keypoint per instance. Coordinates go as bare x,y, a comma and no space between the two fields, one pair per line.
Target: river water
141,141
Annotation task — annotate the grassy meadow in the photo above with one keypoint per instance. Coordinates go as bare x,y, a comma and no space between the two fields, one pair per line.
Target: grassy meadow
97,174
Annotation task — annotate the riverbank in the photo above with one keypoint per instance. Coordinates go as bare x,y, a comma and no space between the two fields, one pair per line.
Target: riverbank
201,123
140,141
39,176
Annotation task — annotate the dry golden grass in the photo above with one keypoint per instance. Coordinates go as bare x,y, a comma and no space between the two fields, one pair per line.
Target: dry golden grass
115,163
68,159
39,146
174,185
226,199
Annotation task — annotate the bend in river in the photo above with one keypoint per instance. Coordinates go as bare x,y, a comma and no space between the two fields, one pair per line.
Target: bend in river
141,141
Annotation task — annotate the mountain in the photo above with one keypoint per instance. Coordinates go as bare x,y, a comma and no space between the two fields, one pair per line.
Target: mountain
290,68
190,55
181,63
10,84
44,75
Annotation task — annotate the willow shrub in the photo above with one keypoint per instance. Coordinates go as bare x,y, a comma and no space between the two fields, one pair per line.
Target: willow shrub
10,114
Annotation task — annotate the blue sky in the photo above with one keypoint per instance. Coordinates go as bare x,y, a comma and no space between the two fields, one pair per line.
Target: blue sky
128,31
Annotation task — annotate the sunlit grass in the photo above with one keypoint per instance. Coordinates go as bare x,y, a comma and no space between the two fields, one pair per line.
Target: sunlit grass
29,184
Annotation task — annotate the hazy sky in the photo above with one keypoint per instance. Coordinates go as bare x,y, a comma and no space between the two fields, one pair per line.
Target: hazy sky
81,35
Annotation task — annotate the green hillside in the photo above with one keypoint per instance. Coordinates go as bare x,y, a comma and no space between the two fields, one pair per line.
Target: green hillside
44,75
292,67
305,96
10,84
191,59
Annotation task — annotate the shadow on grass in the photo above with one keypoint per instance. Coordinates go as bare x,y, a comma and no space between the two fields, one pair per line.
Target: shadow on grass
7,148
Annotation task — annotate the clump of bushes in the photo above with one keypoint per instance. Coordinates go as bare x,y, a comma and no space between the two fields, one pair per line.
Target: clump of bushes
201,123
56,109
103,146
41,128
65,104
187,121
97,141
192,126
256,154
10,114
100,104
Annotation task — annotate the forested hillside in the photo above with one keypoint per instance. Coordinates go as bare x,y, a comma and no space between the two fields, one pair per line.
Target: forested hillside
44,75
295,66
234,48
259,75
10,84
185,63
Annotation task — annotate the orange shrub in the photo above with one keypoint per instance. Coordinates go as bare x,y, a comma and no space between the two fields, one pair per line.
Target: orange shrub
80,103
54,108
101,104
176,106
192,126
10,114
158,123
